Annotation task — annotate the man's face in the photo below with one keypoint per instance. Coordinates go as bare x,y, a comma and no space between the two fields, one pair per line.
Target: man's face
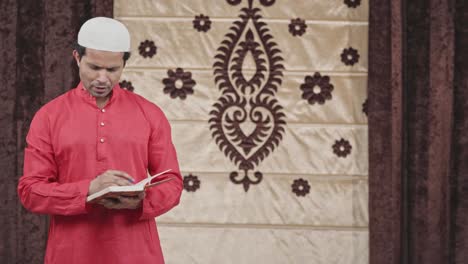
100,71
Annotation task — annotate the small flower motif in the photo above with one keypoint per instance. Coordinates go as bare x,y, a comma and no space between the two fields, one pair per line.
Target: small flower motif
234,2
352,3
300,187
179,83
147,49
267,2
342,148
365,106
202,23
191,183
297,27
349,56
317,89
126,85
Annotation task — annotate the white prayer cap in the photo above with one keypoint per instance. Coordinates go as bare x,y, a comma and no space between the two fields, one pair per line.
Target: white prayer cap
103,33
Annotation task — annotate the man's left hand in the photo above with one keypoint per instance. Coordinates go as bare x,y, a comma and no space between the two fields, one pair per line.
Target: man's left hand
123,202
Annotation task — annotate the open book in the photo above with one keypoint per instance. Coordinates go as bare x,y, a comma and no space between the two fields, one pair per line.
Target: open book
129,190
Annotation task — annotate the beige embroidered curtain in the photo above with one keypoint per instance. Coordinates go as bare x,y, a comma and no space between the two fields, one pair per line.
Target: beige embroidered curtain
267,102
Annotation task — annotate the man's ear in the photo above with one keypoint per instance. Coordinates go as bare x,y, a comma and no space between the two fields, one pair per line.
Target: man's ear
77,57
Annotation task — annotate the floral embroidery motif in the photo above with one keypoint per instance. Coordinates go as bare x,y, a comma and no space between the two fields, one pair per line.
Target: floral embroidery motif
247,122
234,2
297,27
267,2
147,49
300,187
349,56
263,2
342,148
126,85
179,83
317,89
202,23
191,183
352,3
365,106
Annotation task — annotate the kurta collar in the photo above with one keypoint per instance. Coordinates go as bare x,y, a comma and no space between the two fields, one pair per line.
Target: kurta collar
86,96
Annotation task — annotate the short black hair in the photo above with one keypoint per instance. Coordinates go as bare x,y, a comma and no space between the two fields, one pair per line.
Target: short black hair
82,51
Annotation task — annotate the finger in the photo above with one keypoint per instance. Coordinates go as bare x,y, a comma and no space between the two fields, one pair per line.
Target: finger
136,198
107,204
109,201
113,206
130,203
116,206
121,182
126,199
113,180
122,174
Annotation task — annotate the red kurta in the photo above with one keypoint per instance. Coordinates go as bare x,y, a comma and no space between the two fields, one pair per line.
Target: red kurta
69,143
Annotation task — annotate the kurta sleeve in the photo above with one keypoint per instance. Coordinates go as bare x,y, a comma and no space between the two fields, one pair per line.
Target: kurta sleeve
162,156
38,188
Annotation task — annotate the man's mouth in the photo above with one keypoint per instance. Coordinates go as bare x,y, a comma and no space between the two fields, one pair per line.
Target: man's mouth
100,89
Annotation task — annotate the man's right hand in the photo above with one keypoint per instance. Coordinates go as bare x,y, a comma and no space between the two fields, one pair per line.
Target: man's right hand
110,178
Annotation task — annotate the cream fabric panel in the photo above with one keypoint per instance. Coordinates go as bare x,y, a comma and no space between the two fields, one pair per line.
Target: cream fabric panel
345,108
331,10
200,245
179,45
306,149
338,203
311,203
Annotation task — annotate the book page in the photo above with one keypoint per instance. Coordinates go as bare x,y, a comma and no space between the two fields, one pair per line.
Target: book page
149,179
131,190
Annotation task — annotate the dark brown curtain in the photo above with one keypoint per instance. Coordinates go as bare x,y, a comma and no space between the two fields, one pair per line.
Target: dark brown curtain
418,123
36,41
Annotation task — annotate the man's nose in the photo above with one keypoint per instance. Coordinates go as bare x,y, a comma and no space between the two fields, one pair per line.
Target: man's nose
102,76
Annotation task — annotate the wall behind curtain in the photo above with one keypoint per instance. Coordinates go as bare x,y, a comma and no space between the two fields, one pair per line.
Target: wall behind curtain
304,74
36,41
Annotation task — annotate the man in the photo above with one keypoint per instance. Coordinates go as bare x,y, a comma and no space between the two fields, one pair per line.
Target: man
94,136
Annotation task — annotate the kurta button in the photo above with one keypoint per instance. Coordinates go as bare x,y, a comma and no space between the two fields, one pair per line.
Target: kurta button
103,110
101,140
102,123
